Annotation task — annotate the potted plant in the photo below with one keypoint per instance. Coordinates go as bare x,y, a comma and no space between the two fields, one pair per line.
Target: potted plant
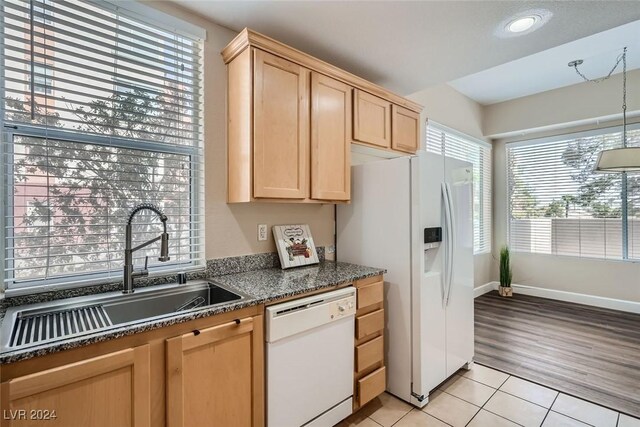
505,289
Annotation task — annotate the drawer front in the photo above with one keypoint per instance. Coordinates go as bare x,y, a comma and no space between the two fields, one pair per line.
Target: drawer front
371,386
369,323
368,281
370,294
370,353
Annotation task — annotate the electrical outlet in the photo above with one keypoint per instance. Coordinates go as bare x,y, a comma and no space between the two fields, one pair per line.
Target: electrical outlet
262,232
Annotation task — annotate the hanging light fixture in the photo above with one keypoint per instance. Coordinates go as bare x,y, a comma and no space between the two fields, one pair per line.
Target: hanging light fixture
616,160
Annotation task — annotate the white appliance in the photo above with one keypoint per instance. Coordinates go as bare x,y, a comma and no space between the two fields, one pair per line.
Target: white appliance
310,360
428,286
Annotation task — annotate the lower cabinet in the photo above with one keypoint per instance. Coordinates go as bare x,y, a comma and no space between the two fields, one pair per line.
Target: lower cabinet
205,372
369,370
215,376
104,391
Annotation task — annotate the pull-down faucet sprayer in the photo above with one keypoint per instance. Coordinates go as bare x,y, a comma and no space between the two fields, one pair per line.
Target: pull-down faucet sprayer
129,272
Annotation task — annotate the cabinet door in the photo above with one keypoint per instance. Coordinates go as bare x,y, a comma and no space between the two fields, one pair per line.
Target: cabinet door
109,390
281,128
406,129
215,376
330,138
372,119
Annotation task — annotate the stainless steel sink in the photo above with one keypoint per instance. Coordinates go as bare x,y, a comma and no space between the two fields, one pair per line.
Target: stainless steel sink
42,323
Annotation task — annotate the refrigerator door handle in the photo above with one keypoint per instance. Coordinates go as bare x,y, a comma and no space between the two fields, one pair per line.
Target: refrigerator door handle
452,241
447,254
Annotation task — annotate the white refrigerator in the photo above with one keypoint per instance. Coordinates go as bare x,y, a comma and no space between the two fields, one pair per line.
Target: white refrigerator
428,286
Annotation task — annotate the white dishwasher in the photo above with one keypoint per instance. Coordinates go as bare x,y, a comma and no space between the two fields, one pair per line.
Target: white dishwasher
310,360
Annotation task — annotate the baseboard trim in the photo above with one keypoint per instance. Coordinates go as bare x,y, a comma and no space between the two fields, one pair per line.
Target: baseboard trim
592,300
483,289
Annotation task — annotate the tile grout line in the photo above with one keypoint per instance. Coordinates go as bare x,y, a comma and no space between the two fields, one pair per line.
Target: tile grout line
620,413
442,421
494,393
569,416
559,391
495,390
402,417
549,410
422,410
501,391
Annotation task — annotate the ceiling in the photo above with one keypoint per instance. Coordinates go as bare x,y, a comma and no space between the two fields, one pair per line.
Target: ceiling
408,46
548,69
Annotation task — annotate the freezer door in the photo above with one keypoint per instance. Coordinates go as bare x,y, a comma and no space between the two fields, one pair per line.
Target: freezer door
428,310
459,298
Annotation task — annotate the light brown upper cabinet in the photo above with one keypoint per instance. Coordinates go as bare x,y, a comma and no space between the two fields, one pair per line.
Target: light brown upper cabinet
330,138
406,129
371,120
291,119
281,128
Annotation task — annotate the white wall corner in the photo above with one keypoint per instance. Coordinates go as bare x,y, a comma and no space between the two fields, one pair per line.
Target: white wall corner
483,289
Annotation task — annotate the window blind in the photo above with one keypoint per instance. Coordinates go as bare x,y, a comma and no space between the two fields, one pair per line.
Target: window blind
102,111
558,205
448,142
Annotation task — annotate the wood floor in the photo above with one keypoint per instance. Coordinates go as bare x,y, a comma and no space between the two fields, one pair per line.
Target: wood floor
589,352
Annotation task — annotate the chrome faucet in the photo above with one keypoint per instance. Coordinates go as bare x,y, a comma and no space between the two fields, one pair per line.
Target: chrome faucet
129,271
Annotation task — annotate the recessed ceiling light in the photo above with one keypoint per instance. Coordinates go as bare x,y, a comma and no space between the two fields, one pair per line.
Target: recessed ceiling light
523,24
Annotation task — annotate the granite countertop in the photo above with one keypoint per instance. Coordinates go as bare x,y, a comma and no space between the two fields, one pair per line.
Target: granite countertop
260,287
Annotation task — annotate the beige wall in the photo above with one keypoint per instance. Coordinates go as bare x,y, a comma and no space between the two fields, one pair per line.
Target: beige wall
574,108
232,229
445,105
609,279
579,104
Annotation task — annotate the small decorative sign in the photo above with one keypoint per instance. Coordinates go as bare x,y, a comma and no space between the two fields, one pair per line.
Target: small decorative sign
295,245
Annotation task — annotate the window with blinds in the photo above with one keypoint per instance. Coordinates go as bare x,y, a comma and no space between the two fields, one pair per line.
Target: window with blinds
445,141
559,206
101,112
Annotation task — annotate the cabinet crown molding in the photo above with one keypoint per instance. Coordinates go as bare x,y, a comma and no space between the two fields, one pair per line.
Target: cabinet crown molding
249,38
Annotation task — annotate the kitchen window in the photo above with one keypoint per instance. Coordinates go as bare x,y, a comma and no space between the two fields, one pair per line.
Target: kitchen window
445,141
123,126
41,80
559,206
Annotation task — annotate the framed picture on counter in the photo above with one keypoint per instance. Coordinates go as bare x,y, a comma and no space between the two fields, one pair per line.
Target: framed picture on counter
295,245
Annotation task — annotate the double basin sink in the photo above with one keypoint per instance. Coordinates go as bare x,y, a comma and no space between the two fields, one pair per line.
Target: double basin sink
42,323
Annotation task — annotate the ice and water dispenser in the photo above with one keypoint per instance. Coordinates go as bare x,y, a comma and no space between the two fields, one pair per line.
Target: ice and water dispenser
432,240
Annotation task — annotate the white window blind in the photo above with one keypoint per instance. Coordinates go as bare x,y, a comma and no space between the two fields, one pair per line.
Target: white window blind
448,142
558,205
101,111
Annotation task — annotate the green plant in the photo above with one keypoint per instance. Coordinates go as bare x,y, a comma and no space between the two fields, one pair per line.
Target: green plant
505,267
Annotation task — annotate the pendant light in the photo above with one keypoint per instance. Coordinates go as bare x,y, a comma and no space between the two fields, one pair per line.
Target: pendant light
616,160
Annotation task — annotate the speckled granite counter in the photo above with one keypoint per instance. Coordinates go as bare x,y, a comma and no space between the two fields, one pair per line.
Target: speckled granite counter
272,284
260,286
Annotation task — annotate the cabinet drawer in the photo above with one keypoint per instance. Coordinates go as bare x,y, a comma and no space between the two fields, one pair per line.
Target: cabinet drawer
371,386
370,294
369,354
369,323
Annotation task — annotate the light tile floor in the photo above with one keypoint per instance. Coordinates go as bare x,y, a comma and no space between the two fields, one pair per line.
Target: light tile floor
484,397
